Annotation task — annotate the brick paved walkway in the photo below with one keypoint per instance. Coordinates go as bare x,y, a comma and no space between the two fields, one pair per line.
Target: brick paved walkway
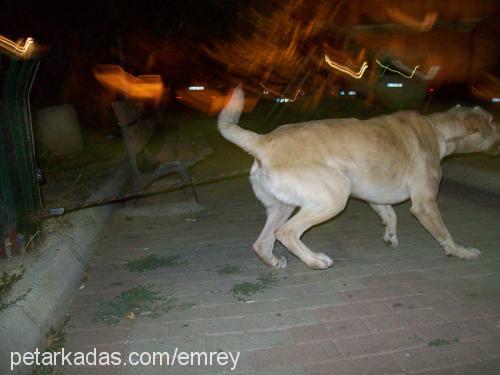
378,310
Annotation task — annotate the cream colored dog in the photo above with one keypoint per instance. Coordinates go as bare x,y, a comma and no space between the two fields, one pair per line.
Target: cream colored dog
317,165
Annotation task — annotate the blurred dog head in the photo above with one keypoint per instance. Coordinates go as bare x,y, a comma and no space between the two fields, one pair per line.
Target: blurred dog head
474,130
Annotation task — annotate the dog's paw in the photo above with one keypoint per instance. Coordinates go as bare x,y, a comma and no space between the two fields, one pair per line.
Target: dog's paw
464,252
391,239
321,262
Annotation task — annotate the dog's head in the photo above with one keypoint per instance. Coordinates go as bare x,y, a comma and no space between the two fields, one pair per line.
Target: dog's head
474,130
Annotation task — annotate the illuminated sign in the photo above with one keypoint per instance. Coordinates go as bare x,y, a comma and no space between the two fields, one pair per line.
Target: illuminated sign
495,100
394,84
196,88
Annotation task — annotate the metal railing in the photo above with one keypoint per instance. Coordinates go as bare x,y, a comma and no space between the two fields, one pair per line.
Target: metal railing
19,190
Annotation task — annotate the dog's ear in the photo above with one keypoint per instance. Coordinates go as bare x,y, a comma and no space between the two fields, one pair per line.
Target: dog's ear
478,121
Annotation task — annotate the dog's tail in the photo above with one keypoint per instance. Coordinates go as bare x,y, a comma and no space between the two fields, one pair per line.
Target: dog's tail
228,124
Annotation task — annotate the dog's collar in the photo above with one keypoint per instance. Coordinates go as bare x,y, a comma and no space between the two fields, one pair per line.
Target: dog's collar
439,137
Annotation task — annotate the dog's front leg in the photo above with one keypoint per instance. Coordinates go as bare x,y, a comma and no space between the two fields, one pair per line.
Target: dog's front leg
389,218
427,212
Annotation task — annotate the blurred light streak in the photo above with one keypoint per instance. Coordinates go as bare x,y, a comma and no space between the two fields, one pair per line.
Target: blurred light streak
20,49
209,101
281,95
487,89
346,70
145,87
396,71
279,40
429,76
425,25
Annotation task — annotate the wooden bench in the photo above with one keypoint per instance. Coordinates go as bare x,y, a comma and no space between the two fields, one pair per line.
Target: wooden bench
178,153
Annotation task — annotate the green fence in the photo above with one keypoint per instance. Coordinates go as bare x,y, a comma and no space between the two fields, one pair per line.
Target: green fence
19,191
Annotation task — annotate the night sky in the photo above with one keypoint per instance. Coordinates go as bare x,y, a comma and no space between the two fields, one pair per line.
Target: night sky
82,34
171,38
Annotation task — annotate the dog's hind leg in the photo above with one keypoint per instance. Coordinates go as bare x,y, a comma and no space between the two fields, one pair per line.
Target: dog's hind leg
277,214
289,234
426,210
389,218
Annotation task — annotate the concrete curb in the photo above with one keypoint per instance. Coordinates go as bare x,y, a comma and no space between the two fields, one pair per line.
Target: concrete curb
53,276
479,178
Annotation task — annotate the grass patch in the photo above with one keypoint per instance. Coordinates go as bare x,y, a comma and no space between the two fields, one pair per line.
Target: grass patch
5,305
153,262
53,342
133,302
7,281
244,290
443,342
228,269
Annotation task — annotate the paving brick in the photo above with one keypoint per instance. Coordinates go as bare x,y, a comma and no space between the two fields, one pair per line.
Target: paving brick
296,303
278,320
205,327
477,294
352,310
380,364
491,344
141,332
88,370
393,278
329,331
187,314
244,365
169,345
289,370
248,340
83,317
446,371
450,271
303,354
490,265
419,301
429,286
369,260
403,319
141,370
427,358
492,279
488,367
93,337
342,273
337,285
456,330
379,343
469,310
377,293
